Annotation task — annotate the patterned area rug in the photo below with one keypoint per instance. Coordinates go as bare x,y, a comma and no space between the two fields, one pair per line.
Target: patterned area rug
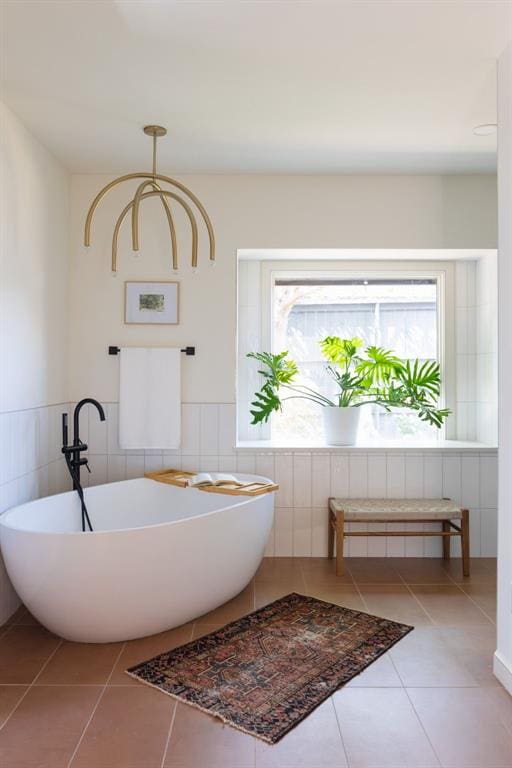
267,671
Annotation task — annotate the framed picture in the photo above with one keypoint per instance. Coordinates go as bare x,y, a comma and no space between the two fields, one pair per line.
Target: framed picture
151,303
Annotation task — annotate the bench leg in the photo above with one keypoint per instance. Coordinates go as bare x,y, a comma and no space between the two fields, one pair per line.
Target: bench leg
446,540
330,530
340,525
465,541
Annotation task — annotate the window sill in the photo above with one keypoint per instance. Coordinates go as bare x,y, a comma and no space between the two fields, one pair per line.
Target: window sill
455,446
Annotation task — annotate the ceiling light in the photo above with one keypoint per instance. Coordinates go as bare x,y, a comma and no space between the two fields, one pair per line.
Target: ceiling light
153,181
487,129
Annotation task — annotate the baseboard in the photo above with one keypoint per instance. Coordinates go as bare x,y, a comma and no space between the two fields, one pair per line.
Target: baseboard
503,672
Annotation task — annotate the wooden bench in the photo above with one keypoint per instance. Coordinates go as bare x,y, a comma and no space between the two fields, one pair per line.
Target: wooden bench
442,511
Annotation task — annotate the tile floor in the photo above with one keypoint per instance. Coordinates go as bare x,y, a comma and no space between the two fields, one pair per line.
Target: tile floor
431,701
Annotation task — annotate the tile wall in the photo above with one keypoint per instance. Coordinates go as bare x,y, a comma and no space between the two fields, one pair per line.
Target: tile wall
31,466
308,478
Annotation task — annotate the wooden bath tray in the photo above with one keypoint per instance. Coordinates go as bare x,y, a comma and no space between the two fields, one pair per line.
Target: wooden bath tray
180,478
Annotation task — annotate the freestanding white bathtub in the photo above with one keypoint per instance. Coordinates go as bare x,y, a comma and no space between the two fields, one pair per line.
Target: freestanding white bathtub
158,556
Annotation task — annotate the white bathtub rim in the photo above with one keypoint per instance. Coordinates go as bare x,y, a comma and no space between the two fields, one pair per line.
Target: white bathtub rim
4,523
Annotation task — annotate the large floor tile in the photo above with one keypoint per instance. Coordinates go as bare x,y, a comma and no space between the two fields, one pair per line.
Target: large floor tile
423,658
197,739
320,570
301,748
239,606
23,651
278,568
481,571
463,728
81,663
342,594
380,729
266,592
380,674
422,570
484,595
394,602
45,728
129,729
10,695
136,651
373,570
448,605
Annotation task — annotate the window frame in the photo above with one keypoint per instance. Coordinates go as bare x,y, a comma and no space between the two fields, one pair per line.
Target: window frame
442,271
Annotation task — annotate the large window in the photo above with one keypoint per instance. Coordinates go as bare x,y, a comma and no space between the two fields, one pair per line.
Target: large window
406,306
395,313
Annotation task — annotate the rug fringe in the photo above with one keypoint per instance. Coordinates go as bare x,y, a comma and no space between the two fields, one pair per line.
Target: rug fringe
214,714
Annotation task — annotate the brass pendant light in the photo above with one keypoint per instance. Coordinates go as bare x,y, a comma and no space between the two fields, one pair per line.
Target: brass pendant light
155,190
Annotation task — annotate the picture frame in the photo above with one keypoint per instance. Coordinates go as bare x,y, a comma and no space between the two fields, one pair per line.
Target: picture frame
151,303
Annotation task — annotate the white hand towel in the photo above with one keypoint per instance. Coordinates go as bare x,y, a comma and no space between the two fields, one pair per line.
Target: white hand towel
150,398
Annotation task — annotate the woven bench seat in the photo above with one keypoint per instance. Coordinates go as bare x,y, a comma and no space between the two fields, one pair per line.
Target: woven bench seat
444,511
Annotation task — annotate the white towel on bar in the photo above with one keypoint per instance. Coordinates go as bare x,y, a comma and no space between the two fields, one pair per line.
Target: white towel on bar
150,398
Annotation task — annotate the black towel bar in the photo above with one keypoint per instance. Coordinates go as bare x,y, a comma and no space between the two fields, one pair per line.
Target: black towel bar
187,350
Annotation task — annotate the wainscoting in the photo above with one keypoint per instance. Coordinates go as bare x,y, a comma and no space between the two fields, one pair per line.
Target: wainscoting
308,478
31,467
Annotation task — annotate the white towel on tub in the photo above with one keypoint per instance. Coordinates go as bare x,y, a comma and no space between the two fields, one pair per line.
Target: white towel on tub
150,398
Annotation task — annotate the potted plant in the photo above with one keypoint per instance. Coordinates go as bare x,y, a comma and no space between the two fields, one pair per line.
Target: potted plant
375,375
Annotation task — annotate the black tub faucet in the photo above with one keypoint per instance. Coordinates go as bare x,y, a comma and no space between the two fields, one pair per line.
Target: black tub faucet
72,452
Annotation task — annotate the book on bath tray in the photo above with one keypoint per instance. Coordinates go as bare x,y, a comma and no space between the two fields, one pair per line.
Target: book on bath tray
215,479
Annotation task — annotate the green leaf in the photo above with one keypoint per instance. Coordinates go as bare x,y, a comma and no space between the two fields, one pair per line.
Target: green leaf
340,351
380,367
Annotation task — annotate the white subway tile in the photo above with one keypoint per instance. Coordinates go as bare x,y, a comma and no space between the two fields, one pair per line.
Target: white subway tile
376,544
432,476
153,462
134,466
319,531
461,283
6,456
488,532
339,476
432,545
302,532
413,544
283,527
246,464
98,441
395,544
190,429
265,465
474,533
358,476
395,476
98,465
413,476
302,480
320,479
190,463
357,545
470,481
116,468
377,476
112,428
227,464
270,546
488,481
227,428
209,441
43,453
284,478
209,463
452,488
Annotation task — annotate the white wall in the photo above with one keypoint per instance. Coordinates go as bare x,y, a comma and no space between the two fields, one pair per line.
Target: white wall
33,320
503,658
248,212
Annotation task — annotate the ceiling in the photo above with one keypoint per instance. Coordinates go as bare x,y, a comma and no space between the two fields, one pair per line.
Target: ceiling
263,86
